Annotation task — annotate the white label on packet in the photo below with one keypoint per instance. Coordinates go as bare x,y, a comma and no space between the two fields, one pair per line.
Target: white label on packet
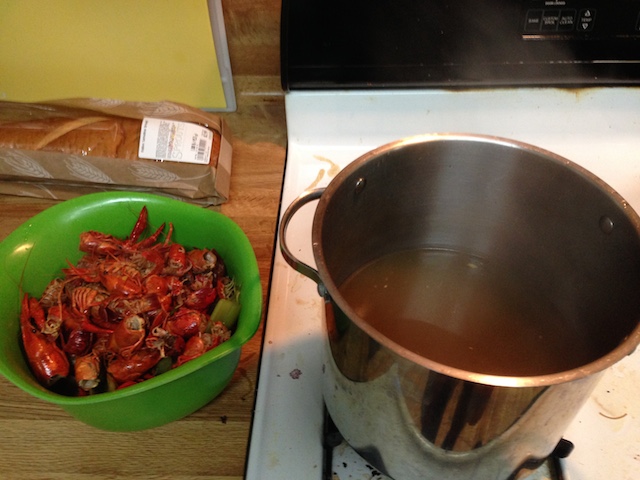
162,139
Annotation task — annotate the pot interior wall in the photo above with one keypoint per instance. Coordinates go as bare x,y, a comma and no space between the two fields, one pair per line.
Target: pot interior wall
555,229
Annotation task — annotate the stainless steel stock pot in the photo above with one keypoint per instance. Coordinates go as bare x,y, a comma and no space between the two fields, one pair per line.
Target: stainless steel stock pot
559,229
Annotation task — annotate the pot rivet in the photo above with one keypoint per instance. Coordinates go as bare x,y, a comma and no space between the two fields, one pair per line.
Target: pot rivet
606,224
360,184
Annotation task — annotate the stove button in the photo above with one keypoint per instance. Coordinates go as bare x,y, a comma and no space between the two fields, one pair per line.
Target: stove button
550,19
533,21
586,20
567,21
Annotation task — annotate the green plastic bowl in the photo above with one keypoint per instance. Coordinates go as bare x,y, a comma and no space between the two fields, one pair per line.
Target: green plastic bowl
35,253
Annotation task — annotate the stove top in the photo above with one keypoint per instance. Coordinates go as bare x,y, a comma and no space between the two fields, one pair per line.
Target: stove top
598,128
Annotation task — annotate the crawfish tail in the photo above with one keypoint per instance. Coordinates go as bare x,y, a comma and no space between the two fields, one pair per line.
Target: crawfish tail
87,371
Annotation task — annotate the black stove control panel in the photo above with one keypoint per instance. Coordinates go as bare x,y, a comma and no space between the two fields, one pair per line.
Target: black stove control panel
337,44
553,21
574,20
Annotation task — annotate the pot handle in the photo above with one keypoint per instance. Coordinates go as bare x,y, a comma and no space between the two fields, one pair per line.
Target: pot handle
297,265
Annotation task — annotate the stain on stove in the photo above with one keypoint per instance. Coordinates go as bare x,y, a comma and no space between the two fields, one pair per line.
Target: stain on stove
295,373
331,172
609,400
613,418
317,180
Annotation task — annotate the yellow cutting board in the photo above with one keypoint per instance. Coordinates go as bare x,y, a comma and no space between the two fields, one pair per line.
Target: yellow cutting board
134,50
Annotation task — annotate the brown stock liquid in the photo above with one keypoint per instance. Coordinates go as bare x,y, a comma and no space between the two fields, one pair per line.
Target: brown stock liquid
454,309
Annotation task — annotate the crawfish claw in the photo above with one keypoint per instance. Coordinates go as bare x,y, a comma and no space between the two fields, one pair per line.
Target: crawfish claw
47,360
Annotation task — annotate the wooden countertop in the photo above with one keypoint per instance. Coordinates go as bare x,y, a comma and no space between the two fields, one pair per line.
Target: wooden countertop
40,441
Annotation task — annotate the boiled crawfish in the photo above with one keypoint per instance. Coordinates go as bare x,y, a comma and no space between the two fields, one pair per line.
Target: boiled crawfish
48,362
125,306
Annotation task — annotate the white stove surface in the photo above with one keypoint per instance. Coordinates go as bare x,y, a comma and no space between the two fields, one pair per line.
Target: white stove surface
598,128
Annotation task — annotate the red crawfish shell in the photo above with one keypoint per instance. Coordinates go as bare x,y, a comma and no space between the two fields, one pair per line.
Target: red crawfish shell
84,297
187,322
87,371
202,259
128,335
177,262
78,342
131,369
201,299
47,361
157,284
194,347
98,243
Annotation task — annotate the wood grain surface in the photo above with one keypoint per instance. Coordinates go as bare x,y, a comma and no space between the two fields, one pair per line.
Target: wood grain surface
40,441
